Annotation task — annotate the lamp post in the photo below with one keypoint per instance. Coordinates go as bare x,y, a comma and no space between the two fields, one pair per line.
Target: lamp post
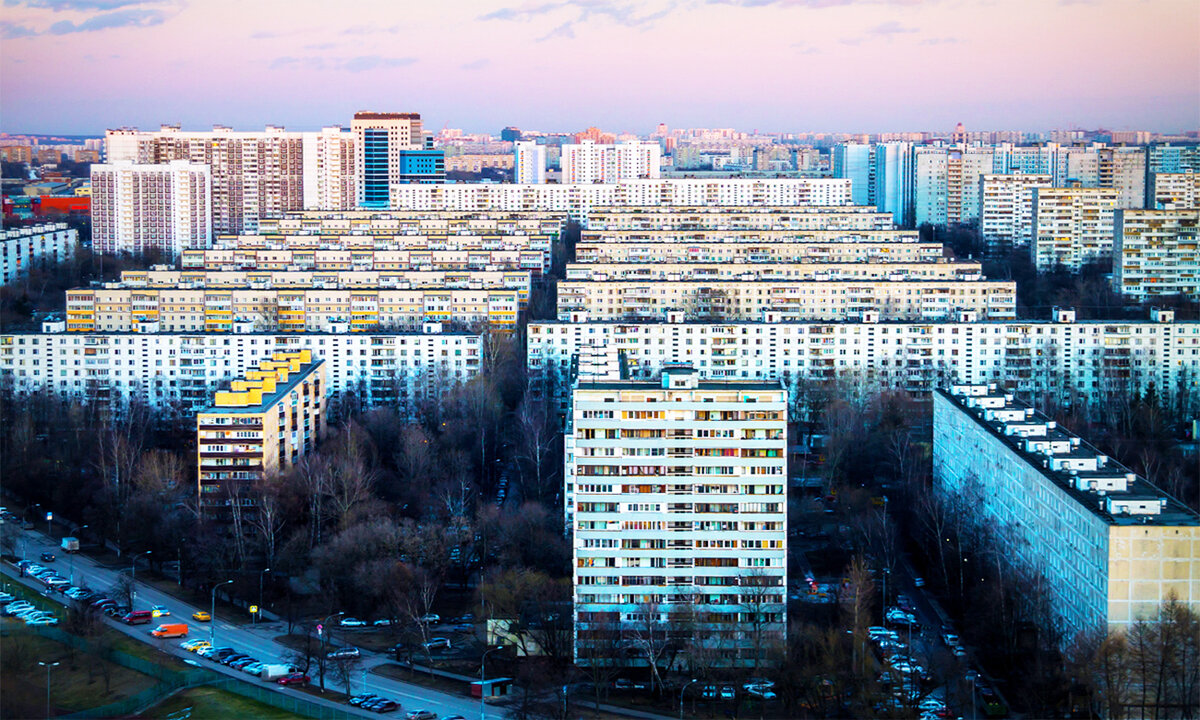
48,666
212,615
133,581
971,676
260,593
483,677
49,529
325,644
682,690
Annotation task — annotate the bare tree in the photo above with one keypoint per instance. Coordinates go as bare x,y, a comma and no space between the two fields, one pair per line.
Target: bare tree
648,633
538,437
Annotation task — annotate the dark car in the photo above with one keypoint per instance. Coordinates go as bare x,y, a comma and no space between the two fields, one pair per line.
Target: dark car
386,706
47,557
357,700
293,679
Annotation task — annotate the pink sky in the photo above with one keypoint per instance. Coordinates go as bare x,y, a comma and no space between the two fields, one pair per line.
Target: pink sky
79,66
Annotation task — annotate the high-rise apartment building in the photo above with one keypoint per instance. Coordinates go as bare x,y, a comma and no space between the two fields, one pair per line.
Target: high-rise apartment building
676,495
1006,210
529,162
329,175
24,247
1170,158
1072,226
931,187
1174,190
392,149
142,207
894,181
1109,547
587,162
1155,254
262,425
1124,170
856,162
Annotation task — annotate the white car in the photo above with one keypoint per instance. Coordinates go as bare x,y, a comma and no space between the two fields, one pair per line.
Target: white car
43,620
6,598
761,691
15,607
353,622
430,619
382,622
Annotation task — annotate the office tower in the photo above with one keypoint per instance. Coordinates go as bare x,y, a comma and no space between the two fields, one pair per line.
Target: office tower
1124,170
1072,226
261,426
392,149
510,134
1006,210
329,179
589,162
24,247
677,501
1110,547
931,204
855,162
1155,254
1174,190
894,179
138,208
529,163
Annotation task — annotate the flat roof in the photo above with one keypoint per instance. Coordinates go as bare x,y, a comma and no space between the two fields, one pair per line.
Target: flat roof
1175,512
294,379
657,385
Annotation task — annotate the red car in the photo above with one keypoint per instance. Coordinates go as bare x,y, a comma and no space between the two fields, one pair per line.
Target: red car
293,679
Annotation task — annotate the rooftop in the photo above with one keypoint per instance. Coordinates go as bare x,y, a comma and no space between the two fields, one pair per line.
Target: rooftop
266,386
1108,489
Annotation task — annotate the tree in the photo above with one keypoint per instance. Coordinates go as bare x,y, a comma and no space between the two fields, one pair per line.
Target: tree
537,438
647,636
343,670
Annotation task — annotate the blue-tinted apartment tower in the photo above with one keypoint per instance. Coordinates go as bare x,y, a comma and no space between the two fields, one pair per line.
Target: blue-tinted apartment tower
390,149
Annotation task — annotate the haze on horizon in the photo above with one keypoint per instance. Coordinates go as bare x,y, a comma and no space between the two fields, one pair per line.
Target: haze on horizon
80,66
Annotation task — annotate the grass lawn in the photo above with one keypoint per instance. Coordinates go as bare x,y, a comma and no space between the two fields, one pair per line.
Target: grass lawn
213,704
77,683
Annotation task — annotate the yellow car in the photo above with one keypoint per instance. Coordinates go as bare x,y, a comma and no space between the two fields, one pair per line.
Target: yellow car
201,616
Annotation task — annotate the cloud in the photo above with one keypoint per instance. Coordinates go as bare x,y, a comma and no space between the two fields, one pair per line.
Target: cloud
370,30
107,21
566,30
811,3
475,64
10,31
360,63
939,41
308,62
891,27
79,5
320,46
371,62
628,14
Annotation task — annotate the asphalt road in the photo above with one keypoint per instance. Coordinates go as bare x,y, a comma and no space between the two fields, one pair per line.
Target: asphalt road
256,642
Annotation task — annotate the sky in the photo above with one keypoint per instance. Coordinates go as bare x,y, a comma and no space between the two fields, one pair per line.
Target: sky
81,66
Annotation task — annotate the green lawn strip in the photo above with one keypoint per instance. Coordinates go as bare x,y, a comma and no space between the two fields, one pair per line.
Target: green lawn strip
213,704
77,683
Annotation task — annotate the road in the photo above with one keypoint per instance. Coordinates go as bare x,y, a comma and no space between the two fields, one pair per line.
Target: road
256,642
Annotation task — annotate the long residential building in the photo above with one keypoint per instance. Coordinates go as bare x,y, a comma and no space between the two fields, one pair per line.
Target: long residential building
727,271
786,300
809,247
1155,254
676,494
1060,358
1175,191
840,217
165,368
413,222
253,257
23,248
216,310
1006,210
138,208
578,200
265,423
1109,547
587,162
1072,226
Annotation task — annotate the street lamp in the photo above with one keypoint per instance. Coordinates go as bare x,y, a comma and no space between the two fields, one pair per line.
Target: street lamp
260,593
971,676
212,615
681,692
49,531
483,677
48,666
324,644
133,581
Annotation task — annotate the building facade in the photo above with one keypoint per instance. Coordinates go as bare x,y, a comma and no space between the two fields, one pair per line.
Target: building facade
1171,191
1107,546
1072,226
587,162
676,499
1006,210
391,149
146,207
25,247
329,180
1155,254
529,162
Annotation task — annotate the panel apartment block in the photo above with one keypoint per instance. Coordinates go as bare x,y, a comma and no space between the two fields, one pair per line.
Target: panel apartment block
676,498
1072,226
1006,210
22,248
1110,546
140,208
1155,254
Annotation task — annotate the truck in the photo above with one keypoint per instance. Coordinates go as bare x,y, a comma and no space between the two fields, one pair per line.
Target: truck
170,630
70,544
274,672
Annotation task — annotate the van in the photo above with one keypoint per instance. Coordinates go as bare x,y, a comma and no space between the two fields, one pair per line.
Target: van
138,617
170,630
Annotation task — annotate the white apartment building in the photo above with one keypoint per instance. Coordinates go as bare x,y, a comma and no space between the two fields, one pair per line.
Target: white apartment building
808,247
340,226
136,207
1006,210
1072,226
578,200
677,502
23,247
725,271
1124,170
1059,359
1155,254
164,368
587,162
255,257
1172,191
931,205
734,220
785,300
1110,546
253,174
329,182
529,163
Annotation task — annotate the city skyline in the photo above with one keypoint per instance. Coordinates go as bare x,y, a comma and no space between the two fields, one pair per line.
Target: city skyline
558,66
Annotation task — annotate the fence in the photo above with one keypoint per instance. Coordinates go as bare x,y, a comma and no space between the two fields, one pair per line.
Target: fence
172,681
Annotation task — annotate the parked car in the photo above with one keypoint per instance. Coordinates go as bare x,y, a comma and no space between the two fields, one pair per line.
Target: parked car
386,706
361,698
201,616
437,642
950,639
421,715
353,622
138,617
382,622
430,619
295,678
47,557
919,582
44,620
761,691
344,652
6,598
253,668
